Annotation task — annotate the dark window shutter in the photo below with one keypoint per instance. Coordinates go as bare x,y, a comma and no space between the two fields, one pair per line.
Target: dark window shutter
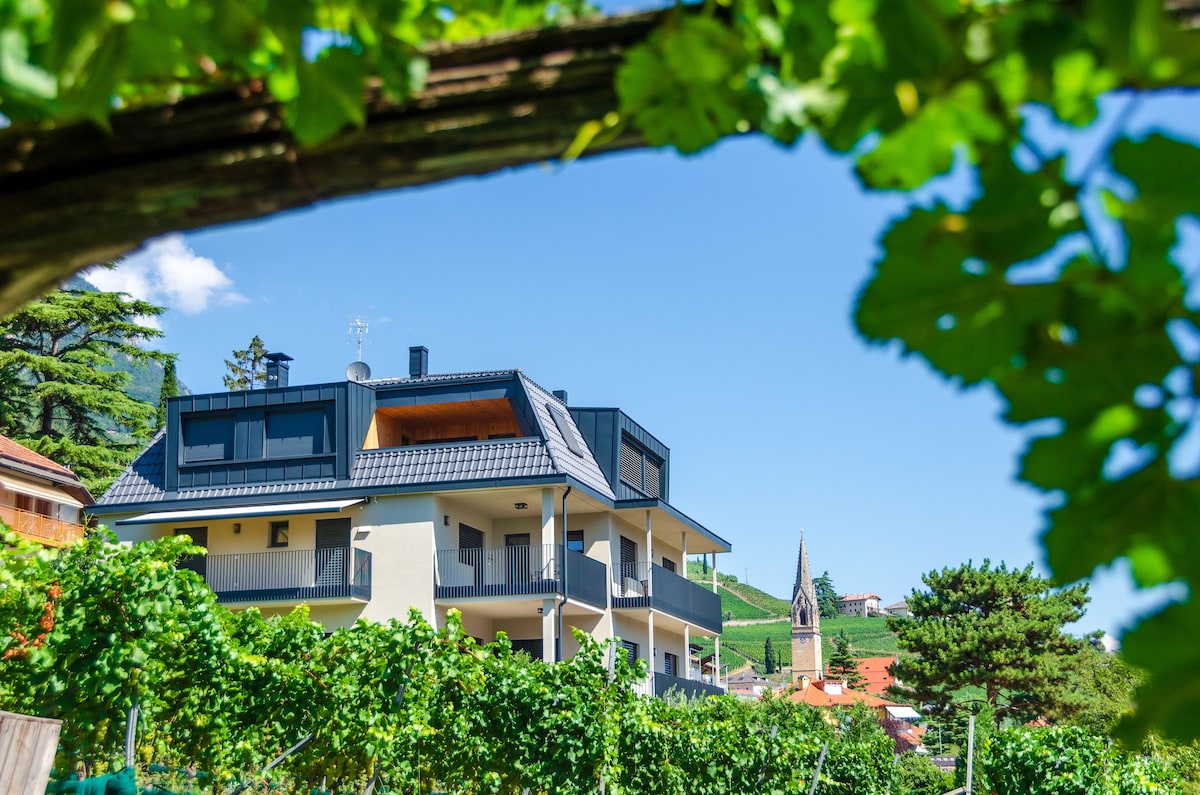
207,439
295,433
631,465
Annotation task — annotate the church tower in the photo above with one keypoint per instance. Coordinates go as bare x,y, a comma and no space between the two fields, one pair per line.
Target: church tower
806,623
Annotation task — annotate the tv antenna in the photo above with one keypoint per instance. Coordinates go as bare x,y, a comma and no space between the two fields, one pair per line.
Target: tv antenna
358,330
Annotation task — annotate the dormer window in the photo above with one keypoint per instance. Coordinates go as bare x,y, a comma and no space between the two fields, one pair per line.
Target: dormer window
640,468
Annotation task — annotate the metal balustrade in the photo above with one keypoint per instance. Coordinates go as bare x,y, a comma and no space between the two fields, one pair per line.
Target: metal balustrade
645,584
288,575
531,570
36,527
689,688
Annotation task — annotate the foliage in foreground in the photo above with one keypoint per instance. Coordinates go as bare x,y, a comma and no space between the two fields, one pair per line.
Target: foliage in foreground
1057,284
1053,760
88,631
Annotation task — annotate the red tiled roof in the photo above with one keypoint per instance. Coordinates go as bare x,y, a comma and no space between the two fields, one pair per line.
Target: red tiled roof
875,671
816,696
21,453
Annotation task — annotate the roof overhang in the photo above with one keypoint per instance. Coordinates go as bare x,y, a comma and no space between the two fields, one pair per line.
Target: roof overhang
277,509
664,516
39,491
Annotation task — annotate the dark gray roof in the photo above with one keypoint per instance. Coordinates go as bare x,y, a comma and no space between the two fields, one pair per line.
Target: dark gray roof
583,468
439,378
462,461
143,480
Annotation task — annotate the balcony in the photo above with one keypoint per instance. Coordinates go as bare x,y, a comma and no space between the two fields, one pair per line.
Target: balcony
689,688
297,575
43,529
518,571
647,584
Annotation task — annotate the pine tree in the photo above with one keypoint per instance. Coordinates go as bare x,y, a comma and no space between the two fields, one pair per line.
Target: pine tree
170,388
62,395
827,598
769,656
248,368
842,664
995,630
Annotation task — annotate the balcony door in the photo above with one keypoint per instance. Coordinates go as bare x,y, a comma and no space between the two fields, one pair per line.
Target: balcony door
333,551
199,536
516,549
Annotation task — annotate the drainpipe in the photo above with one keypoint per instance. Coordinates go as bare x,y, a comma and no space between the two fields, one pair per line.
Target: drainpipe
562,576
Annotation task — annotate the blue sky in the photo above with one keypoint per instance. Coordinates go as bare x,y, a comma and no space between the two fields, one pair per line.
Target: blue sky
709,297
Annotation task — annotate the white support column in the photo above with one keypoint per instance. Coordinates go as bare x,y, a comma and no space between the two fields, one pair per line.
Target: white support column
683,543
687,652
549,606
714,571
652,655
717,660
547,517
549,622
649,555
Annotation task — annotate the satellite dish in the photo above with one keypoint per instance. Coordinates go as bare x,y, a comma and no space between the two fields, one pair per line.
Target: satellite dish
358,371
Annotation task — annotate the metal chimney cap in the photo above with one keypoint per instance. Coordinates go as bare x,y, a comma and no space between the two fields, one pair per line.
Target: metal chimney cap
278,357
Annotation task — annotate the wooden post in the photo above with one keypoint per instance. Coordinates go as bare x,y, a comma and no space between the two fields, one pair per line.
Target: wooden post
27,748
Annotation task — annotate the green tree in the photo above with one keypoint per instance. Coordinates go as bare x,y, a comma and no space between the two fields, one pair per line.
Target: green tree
920,776
768,656
993,631
248,368
842,664
62,396
906,87
827,597
170,388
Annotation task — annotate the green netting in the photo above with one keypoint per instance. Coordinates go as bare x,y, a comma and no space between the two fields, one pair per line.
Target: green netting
122,783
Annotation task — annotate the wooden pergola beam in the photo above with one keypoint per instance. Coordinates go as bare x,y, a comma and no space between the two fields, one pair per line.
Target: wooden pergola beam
76,196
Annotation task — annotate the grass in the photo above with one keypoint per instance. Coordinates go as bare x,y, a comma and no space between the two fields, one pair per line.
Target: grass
869,637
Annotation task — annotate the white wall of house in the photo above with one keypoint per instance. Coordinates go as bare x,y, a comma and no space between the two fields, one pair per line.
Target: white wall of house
398,531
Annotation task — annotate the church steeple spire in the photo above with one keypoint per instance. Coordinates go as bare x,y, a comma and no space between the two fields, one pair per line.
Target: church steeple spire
806,621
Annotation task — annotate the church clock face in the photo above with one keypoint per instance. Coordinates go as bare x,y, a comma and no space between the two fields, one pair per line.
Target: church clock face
803,641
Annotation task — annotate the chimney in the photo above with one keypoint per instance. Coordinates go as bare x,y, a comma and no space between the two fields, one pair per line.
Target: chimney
277,370
561,394
418,361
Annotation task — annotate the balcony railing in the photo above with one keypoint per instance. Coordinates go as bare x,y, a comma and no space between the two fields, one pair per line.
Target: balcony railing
518,571
647,584
291,575
689,688
36,527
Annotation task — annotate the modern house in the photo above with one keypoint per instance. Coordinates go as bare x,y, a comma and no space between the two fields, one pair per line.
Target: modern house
859,604
481,492
39,499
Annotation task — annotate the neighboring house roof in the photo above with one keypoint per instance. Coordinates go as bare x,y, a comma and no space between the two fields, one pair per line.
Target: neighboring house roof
875,671
901,605
815,694
20,459
858,597
747,677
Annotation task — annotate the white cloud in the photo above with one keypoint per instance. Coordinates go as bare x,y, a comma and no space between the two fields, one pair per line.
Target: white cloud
165,271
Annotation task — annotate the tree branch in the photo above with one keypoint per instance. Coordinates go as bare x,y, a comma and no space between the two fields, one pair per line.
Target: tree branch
76,196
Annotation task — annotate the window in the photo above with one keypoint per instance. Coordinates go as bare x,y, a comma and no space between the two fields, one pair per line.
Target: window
564,427
670,664
295,433
669,565
207,439
279,534
631,651
575,540
640,468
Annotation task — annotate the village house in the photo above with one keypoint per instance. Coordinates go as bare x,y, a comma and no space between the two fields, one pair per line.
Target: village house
859,604
480,492
39,499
